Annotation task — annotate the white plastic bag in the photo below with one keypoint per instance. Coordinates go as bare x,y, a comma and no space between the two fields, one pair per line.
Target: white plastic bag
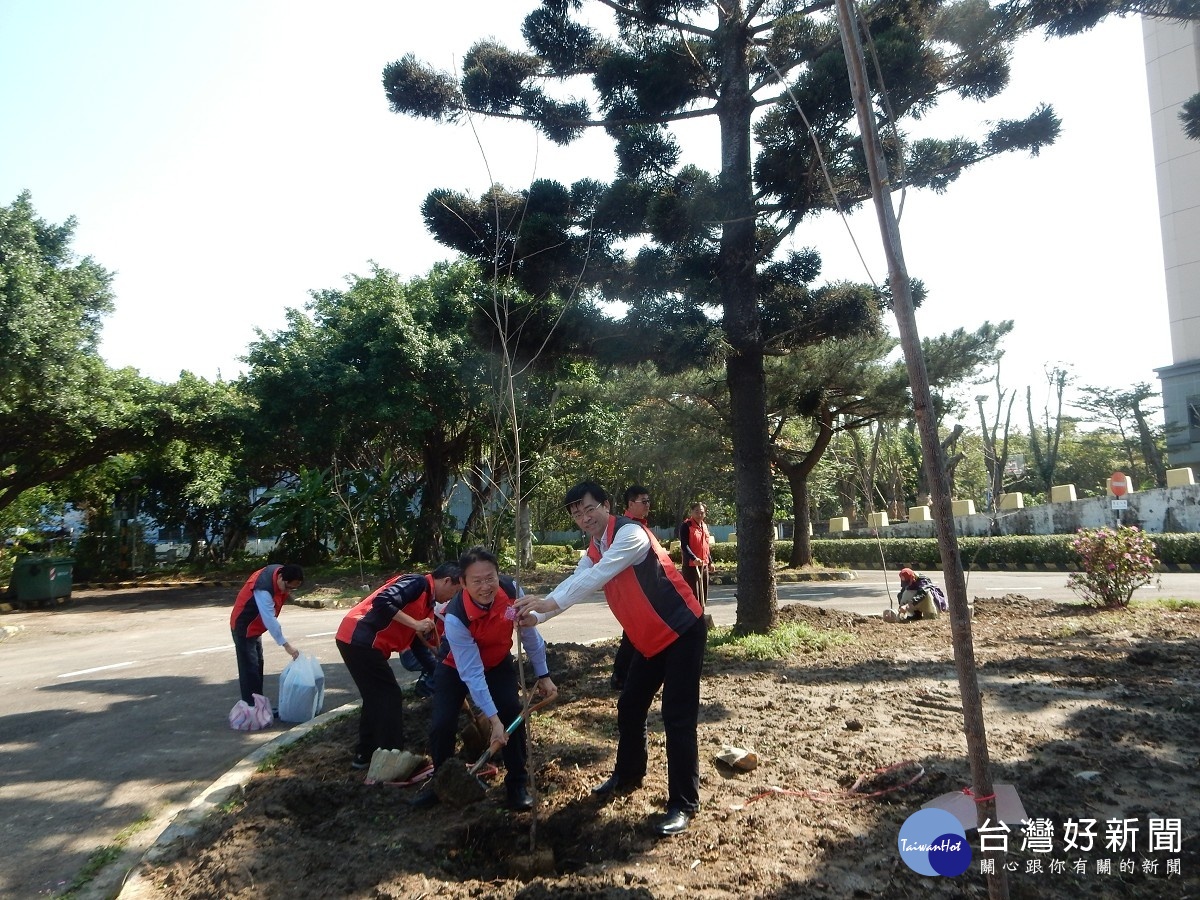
301,689
244,717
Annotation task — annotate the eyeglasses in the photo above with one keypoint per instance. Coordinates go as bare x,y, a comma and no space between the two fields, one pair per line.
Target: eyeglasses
645,500
584,511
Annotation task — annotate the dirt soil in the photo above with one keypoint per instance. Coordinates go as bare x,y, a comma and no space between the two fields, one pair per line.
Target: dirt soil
1090,715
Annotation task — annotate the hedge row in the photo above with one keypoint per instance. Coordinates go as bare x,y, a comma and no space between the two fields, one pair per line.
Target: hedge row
922,553
556,554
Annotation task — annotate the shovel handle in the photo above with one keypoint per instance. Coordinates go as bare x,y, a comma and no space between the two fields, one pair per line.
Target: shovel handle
512,726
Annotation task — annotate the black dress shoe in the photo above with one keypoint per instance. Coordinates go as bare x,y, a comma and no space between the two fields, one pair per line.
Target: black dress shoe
615,786
520,800
674,822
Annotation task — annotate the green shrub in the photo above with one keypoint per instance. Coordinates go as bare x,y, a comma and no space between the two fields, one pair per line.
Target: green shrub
923,553
553,554
1115,562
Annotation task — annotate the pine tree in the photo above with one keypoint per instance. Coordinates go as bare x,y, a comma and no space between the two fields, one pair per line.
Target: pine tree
708,277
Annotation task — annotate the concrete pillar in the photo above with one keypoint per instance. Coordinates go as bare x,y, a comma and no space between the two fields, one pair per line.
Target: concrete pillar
1180,477
839,523
877,520
919,514
962,507
1012,501
1062,493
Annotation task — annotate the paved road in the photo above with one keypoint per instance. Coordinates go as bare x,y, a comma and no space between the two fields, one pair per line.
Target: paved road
113,706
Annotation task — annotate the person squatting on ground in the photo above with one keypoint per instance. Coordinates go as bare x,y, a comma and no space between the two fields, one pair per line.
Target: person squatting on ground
396,618
665,624
256,610
480,621
695,546
916,598
637,507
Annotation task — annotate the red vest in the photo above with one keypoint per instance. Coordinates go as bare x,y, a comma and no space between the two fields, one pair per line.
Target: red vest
244,619
651,600
493,633
370,624
698,541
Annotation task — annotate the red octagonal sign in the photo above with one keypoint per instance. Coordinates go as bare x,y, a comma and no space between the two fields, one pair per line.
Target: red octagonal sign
1118,484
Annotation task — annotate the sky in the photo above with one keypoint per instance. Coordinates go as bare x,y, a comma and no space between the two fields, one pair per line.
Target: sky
225,159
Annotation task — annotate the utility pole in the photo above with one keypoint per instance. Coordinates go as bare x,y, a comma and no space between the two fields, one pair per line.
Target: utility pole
935,467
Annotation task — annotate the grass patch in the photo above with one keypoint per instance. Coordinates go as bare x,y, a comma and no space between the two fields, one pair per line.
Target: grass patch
103,857
1065,632
272,760
780,643
235,801
1167,603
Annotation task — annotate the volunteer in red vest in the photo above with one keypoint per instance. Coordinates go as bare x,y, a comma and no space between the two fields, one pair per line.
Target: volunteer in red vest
665,624
391,620
255,611
637,507
695,542
480,621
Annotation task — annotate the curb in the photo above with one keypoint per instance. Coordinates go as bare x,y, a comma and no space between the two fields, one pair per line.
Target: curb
131,585
182,820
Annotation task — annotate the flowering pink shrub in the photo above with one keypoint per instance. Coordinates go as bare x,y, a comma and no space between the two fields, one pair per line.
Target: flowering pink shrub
1115,563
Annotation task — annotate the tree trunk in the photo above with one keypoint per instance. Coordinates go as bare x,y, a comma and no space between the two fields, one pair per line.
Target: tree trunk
525,535
1154,461
757,606
918,377
797,472
427,545
864,473
801,543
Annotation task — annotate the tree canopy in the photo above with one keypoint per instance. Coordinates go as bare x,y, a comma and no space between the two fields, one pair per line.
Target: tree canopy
62,409
381,377
702,258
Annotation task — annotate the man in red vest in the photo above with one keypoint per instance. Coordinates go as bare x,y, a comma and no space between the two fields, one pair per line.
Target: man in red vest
665,624
256,610
480,627
695,543
390,620
637,507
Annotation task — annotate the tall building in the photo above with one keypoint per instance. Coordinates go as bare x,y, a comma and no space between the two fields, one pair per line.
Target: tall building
1173,75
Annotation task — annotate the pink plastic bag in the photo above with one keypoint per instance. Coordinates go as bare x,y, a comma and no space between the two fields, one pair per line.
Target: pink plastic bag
244,717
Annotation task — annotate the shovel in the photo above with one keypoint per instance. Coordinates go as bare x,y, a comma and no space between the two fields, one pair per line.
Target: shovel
460,787
512,726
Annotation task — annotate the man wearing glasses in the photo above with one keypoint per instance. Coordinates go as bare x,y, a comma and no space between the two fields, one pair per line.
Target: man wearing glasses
665,624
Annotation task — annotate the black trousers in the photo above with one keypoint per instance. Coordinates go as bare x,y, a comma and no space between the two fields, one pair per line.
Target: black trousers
621,661
381,724
697,580
449,691
249,651
677,671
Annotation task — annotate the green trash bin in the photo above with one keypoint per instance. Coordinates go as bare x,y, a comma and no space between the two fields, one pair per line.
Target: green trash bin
36,579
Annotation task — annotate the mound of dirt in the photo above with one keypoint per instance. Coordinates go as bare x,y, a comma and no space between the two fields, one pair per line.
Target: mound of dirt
1089,715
